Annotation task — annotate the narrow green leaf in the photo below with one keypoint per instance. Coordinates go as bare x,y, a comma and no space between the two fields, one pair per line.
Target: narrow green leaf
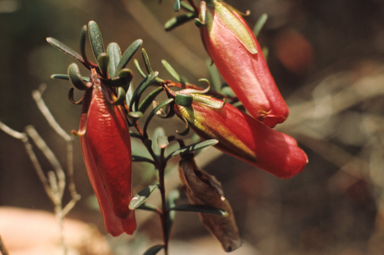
146,61
178,21
149,99
141,196
158,132
103,61
227,91
128,54
128,95
154,249
135,115
136,158
135,135
171,70
162,142
141,88
148,207
176,6
200,209
66,77
193,147
114,54
186,130
202,19
171,202
138,68
120,97
71,98
154,111
76,78
123,79
64,48
215,75
187,6
96,39
83,39
183,100
259,24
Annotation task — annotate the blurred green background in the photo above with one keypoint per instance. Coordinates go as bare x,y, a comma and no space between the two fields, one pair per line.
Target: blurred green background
327,58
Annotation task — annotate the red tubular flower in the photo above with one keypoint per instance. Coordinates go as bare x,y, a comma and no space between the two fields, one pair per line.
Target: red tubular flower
106,147
240,135
235,51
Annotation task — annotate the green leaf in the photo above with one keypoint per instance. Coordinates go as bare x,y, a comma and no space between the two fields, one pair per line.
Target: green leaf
76,78
186,130
202,19
162,142
64,48
136,158
138,68
193,147
114,54
171,70
66,77
183,100
178,21
154,111
146,61
135,135
149,99
83,39
215,75
187,6
72,99
141,196
171,202
120,97
103,61
135,115
176,6
122,80
128,54
96,39
148,207
158,132
260,23
199,209
128,96
154,249
141,88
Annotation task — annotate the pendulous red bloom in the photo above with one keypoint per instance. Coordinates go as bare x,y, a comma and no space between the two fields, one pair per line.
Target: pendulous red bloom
235,51
240,135
106,147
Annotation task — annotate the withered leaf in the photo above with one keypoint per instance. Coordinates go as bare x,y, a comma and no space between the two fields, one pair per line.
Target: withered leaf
204,189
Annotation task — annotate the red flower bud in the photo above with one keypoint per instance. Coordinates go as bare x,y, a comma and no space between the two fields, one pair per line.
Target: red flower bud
106,147
240,135
235,51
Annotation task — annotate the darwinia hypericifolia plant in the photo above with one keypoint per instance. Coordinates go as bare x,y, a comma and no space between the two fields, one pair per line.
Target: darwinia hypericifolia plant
111,107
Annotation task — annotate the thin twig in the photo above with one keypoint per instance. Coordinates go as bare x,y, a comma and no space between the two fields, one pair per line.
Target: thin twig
155,29
40,143
37,96
32,156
